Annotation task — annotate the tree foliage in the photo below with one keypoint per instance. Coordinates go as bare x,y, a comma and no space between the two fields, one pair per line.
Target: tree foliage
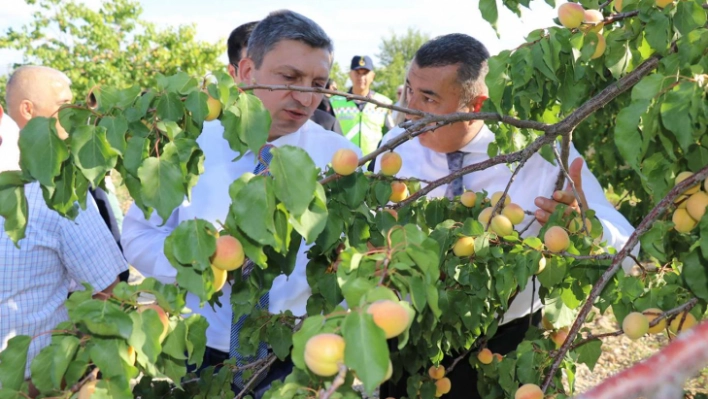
109,46
646,89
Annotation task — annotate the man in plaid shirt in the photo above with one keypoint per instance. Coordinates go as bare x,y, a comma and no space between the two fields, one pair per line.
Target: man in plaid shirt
35,278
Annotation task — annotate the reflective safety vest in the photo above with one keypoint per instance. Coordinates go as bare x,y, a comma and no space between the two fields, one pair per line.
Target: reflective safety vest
363,127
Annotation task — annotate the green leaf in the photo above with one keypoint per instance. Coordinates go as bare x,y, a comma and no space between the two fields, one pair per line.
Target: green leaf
170,107
145,337
196,338
656,32
497,78
175,343
103,318
689,16
553,273
253,209
589,353
116,128
314,220
382,191
246,122
41,150
136,151
13,204
280,338
703,227
289,165
648,87
64,198
106,354
366,351
12,362
196,103
627,136
489,11
64,351
92,153
162,186
41,369
676,113
180,82
194,243
695,274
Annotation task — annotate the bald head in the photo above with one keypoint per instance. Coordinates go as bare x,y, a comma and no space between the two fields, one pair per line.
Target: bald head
37,91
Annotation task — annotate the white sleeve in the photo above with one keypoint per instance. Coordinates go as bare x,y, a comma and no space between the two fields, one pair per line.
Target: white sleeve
616,228
143,243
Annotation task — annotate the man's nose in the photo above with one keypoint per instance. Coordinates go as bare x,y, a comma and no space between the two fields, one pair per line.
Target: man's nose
305,99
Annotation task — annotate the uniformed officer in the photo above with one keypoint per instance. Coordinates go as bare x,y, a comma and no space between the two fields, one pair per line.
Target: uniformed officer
363,123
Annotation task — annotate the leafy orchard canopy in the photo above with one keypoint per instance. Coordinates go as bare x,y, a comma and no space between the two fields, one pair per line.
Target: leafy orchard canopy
439,266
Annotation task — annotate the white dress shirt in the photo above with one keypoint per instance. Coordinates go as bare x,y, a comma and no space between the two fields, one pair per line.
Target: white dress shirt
143,240
537,178
9,149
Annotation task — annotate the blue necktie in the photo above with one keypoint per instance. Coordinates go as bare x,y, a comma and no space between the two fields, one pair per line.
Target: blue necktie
454,163
264,158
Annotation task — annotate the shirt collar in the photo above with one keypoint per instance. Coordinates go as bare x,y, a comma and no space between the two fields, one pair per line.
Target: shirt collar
480,142
9,149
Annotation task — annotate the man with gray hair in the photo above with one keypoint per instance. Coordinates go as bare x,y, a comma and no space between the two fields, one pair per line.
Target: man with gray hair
447,76
285,48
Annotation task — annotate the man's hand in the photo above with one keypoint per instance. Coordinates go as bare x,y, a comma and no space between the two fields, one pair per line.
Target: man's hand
547,205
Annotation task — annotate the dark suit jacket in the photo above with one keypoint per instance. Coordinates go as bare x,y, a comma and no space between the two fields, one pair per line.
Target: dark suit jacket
326,120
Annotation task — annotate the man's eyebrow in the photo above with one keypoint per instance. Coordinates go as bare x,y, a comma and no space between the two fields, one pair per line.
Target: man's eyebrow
291,69
425,91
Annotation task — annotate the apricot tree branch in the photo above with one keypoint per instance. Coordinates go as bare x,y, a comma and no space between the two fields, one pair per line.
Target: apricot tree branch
254,378
506,158
665,315
633,240
501,200
565,154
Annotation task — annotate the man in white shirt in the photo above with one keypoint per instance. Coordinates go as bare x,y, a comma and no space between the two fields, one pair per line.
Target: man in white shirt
285,48
447,76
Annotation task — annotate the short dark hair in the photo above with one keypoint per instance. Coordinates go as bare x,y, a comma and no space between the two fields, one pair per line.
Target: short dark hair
285,25
238,40
457,49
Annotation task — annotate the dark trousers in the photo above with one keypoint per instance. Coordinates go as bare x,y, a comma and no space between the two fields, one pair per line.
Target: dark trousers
464,377
278,371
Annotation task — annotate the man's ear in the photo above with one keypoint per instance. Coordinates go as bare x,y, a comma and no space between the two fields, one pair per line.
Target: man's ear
246,69
232,72
477,102
26,109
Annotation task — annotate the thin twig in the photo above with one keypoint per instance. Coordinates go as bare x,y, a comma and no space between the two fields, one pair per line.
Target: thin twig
527,226
497,207
633,240
565,154
338,382
247,387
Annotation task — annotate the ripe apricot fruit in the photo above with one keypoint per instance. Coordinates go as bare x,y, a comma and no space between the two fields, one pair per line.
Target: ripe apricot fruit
593,18
399,192
683,176
87,389
497,196
390,316
556,239
344,162
485,356
485,216
635,325
229,254
468,198
652,314
683,222
442,386
529,391
688,322
220,276
323,354
391,163
515,213
571,15
214,107
502,226
464,247
436,372
696,205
